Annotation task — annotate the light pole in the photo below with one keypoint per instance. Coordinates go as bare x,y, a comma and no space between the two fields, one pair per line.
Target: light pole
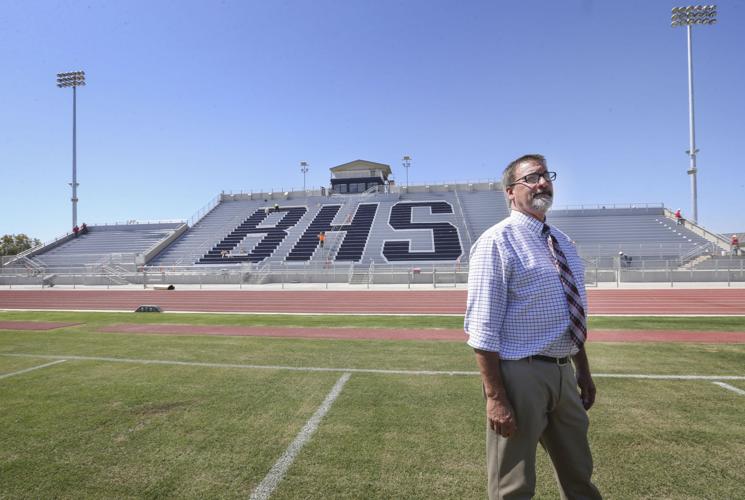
304,169
407,163
74,79
688,16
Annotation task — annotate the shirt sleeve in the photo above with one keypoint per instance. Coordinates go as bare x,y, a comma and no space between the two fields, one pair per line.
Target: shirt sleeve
487,296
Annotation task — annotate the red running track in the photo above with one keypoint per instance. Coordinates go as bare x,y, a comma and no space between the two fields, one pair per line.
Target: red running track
632,302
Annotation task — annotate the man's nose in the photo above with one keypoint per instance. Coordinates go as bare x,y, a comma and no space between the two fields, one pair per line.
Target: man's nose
542,181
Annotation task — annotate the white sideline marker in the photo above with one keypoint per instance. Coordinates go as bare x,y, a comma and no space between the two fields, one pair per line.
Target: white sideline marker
730,388
351,370
267,486
32,368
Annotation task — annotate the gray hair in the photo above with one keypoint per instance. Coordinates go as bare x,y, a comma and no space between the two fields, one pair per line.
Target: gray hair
508,175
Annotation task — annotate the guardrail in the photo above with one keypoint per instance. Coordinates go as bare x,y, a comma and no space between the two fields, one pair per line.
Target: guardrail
729,270
600,206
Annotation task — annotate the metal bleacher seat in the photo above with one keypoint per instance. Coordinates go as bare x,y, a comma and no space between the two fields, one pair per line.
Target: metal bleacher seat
206,233
100,242
642,233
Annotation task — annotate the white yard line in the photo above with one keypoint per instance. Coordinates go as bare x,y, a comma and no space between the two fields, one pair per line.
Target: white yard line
252,367
279,469
668,377
730,388
33,368
353,370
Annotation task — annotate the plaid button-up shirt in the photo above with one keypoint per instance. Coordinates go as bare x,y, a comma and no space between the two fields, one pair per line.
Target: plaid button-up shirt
516,303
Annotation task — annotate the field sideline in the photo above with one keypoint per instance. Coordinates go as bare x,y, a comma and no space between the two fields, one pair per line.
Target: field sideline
91,414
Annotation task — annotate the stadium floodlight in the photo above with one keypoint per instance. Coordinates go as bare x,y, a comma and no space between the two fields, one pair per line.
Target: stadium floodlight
688,16
73,79
304,169
407,163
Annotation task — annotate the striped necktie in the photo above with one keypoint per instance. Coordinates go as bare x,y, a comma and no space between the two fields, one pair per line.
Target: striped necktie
578,323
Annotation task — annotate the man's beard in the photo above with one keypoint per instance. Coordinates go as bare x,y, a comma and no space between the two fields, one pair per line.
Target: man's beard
542,203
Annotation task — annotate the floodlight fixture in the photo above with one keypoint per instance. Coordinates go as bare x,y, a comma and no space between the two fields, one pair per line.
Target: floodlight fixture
689,16
407,164
304,169
73,79
694,14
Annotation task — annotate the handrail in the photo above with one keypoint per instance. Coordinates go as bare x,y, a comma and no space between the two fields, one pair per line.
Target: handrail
28,251
37,248
720,240
210,238
347,220
40,246
465,221
465,182
370,190
199,214
696,251
133,222
600,206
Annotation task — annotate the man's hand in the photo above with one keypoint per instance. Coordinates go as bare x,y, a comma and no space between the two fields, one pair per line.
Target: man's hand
501,416
584,379
586,388
499,410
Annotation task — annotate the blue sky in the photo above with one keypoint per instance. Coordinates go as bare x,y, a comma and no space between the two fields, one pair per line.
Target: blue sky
189,98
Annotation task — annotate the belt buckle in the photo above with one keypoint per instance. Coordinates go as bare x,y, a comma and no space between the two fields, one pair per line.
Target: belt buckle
565,360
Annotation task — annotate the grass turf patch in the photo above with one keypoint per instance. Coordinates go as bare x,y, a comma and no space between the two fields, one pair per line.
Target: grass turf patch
96,319
91,429
396,437
10,365
104,429
668,439
647,358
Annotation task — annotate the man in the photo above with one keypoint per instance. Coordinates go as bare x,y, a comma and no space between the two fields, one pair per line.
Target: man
734,244
525,319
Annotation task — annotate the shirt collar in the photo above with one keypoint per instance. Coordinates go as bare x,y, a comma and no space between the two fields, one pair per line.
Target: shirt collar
533,224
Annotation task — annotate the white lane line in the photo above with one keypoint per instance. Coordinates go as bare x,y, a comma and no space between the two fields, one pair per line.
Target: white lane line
668,377
279,469
352,370
730,388
32,368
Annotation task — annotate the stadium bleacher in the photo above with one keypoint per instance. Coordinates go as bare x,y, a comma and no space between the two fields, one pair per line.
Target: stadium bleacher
386,225
100,243
642,233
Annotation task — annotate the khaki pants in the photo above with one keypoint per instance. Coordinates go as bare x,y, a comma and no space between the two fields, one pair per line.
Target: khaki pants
548,410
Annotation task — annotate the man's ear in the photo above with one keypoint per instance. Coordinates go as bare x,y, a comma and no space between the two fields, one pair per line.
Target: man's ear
510,194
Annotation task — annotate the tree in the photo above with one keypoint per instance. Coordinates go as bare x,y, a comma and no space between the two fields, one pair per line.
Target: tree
12,244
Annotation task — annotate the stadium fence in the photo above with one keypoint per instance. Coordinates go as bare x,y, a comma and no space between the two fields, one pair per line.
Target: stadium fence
122,271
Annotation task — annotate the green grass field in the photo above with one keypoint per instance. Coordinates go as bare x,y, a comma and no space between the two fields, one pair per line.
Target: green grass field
121,427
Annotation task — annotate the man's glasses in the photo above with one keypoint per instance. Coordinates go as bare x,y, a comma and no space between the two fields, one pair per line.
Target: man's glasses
535,178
